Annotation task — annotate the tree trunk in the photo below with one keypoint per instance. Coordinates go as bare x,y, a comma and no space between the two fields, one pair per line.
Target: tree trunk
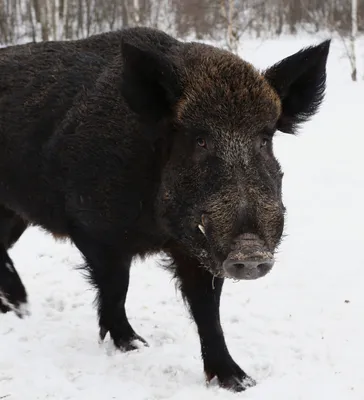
32,22
354,32
124,14
54,9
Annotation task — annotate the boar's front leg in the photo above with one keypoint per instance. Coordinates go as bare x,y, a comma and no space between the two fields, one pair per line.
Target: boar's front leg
13,295
202,294
109,266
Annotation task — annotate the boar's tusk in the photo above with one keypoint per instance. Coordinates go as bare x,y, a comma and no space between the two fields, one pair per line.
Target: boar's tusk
202,229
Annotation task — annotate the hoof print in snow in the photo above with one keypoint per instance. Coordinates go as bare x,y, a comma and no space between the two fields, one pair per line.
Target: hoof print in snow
55,304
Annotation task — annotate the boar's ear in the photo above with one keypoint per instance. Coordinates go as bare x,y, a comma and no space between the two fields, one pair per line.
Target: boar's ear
150,82
300,81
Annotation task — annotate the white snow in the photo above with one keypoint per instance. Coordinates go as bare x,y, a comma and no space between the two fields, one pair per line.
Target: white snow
299,331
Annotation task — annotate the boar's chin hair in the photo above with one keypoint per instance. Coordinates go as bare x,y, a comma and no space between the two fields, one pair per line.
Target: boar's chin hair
167,263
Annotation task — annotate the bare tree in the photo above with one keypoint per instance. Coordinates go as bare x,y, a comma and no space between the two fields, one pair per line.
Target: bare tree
347,33
228,11
354,32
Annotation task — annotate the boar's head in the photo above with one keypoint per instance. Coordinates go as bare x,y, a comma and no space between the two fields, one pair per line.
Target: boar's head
219,194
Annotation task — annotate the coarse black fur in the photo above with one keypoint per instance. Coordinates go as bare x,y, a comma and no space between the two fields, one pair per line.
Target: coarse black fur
127,142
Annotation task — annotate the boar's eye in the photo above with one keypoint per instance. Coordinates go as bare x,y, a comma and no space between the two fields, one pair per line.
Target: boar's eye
201,142
265,141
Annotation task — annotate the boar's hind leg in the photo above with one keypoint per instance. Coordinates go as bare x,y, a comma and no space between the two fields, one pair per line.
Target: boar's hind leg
109,266
202,294
13,296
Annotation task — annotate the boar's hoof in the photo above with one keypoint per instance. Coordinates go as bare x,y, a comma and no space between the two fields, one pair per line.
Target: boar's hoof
232,378
236,384
14,299
131,344
21,310
125,344
13,295
3,308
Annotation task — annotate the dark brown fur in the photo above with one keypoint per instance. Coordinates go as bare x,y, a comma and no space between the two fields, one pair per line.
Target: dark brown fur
130,143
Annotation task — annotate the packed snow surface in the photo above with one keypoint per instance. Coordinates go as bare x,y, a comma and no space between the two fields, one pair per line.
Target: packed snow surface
299,331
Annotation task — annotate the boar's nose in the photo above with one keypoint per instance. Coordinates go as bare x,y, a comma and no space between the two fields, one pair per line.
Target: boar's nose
247,269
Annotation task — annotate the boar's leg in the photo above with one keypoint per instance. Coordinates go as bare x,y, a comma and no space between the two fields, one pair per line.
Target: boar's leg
202,294
13,296
109,266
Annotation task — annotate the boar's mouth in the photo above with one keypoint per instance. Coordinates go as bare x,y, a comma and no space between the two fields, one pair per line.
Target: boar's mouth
249,259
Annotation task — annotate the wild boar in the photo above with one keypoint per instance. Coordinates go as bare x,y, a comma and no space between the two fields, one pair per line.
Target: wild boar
131,143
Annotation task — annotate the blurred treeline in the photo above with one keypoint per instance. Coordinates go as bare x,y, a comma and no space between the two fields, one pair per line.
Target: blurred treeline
36,20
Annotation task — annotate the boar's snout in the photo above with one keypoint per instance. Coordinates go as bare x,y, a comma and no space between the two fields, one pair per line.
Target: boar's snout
250,259
247,269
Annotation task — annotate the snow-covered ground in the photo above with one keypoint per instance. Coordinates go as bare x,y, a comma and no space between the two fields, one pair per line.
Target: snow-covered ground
299,331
